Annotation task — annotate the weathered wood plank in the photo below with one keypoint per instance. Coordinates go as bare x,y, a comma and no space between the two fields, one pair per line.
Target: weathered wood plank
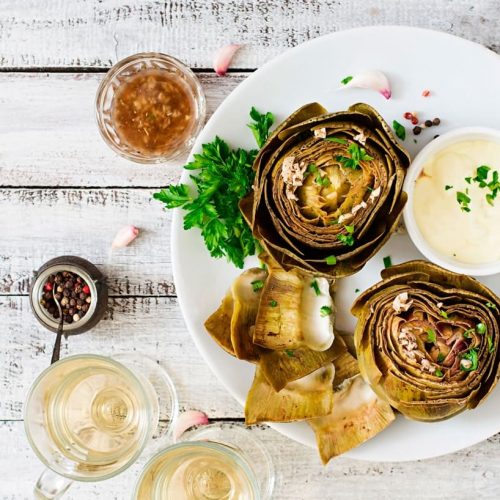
97,34
151,326
50,136
300,475
38,224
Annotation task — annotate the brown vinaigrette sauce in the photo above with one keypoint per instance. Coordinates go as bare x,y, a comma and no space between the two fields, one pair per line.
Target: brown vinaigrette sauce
153,112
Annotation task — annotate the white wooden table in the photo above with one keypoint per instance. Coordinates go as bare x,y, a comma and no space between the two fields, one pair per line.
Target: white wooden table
64,192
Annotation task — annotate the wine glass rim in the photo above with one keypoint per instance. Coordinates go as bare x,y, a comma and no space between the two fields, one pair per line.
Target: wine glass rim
221,447
41,456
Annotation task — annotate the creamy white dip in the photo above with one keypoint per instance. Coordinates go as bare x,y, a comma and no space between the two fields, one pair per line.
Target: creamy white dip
469,237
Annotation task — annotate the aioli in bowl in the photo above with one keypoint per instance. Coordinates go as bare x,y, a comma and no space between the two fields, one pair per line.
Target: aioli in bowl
451,206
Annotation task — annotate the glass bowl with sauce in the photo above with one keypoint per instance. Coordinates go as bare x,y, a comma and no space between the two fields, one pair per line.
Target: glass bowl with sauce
453,209
150,107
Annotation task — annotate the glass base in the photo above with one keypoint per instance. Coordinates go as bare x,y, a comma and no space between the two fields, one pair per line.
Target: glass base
243,442
168,406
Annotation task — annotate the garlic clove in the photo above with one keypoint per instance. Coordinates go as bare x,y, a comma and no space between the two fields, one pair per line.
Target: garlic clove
186,420
125,236
223,58
371,79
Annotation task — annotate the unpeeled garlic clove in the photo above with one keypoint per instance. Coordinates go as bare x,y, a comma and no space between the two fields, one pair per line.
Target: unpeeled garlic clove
223,58
125,236
186,420
371,79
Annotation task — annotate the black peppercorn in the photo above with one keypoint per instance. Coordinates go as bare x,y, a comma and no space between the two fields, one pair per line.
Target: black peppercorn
436,121
428,123
417,130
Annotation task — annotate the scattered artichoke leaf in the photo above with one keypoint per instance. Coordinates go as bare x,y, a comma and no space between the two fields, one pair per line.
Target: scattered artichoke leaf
218,324
246,299
308,397
358,414
284,366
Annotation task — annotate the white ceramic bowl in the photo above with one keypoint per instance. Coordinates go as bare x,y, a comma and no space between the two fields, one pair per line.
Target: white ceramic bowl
434,147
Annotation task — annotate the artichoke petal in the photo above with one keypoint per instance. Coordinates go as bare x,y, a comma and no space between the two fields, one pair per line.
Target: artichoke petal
218,324
308,397
357,415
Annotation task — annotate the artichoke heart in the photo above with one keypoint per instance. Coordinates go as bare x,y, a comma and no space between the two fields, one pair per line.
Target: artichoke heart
358,414
308,397
295,311
427,340
328,190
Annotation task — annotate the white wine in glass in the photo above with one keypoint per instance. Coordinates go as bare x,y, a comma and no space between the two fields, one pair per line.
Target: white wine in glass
88,418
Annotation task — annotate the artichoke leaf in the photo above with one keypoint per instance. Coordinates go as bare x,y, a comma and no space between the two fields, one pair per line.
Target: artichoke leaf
218,324
308,397
357,415
283,366
246,294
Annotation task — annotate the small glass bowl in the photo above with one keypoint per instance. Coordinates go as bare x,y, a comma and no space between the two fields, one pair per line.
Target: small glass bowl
123,70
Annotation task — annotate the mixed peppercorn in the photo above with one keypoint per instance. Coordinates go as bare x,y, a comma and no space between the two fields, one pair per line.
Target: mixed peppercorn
72,293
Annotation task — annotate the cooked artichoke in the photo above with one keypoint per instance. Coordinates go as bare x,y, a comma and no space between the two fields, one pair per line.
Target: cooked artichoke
427,340
218,324
308,397
328,190
357,415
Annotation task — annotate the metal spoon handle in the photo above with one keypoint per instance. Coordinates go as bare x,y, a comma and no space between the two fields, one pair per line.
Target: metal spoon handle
56,351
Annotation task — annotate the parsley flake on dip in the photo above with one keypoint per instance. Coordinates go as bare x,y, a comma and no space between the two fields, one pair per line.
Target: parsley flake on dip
453,214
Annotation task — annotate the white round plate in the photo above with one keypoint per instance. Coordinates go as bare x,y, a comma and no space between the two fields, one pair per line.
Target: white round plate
464,80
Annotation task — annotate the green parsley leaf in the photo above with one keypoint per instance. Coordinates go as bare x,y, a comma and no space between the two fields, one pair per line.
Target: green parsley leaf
224,176
331,260
431,335
315,287
322,181
491,346
481,328
338,140
257,285
399,130
325,311
472,356
311,168
443,314
463,201
482,173
346,80
357,155
273,303
346,239
490,305
440,357
387,262
448,187
490,198
438,373
468,333
260,126
357,290
349,229
289,353
468,180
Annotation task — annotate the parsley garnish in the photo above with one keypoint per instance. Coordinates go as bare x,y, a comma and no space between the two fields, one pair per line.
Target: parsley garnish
467,333
448,187
468,180
438,373
471,355
225,176
443,314
463,201
399,130
346,239
338,140
260,126
357,290
315,287
257,285
325,311
440,357
491,346
289,353
331,260
346,80
481,328
357,154
387,261
491,306
322,181
273,303
431,335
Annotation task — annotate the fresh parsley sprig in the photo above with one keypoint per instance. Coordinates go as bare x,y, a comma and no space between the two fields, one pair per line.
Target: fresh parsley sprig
357,155
224,176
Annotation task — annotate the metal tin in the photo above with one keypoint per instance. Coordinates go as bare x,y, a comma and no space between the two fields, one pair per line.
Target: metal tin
90,274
